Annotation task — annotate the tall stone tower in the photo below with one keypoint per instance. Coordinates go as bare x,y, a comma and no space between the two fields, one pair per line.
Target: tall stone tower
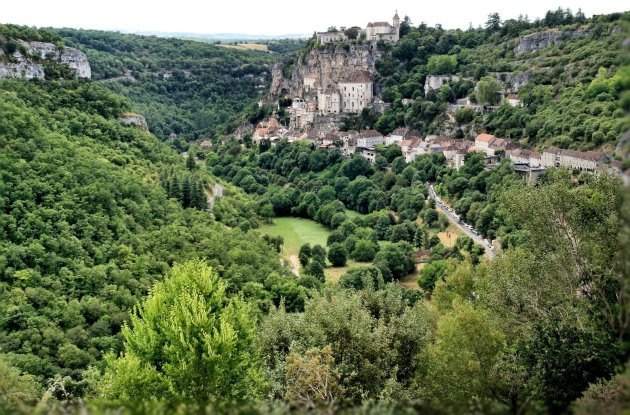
397,26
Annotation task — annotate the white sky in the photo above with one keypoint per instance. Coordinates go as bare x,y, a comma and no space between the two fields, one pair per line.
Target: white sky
273,17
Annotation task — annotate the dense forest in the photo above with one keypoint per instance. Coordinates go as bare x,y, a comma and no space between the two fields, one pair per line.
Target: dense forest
188,88
128,286
574,92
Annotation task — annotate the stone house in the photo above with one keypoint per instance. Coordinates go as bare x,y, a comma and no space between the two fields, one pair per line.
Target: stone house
349,142
356,92
521,156
513,100
369,139
328,101
396,136
368,153
330,37
310,82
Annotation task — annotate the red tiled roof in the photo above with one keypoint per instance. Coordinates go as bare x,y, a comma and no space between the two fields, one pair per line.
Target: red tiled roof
485,137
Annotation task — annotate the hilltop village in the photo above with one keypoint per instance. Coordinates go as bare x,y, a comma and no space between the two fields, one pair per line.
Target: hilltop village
328,89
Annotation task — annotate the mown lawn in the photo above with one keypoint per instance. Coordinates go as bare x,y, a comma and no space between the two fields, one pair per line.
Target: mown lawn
298,231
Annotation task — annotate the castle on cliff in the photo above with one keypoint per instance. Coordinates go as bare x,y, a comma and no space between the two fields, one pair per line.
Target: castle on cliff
373,32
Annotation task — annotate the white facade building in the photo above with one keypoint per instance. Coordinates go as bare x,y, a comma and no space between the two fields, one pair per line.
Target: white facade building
369,139
328,101
356,92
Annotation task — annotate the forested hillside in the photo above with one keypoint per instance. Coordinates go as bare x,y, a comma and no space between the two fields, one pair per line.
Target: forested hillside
135,280
571,90
189,88
86,229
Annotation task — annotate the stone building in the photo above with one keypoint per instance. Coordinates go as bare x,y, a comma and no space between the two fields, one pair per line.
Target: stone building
328,101
356,91
383,30
521,156
369,139
330,37
373,32
575,160
310,82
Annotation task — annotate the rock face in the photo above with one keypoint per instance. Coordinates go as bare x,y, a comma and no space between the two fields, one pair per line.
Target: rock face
541,40
31,65
328,65
135,120
436,81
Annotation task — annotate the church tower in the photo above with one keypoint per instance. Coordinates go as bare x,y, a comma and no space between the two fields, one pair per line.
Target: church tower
397,26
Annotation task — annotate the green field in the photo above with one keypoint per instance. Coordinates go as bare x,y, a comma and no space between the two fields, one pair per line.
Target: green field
298,231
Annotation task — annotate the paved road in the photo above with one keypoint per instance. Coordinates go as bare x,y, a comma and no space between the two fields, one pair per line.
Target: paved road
453,219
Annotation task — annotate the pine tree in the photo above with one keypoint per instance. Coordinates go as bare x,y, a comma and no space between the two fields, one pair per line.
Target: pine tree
175,189
190,162
201,202
186,192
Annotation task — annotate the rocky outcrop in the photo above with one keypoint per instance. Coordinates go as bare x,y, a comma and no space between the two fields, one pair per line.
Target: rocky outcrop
135,120
542,40
328,65
30,65
436,81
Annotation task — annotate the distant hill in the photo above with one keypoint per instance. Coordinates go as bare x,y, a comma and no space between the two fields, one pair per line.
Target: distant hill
233,37
186,88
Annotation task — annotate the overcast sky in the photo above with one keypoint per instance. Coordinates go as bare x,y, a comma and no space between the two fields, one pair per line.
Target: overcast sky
272,17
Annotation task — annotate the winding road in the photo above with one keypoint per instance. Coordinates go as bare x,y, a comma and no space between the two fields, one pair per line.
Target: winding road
461,225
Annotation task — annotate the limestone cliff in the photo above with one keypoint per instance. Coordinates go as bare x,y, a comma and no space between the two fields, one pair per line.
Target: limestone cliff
328,65
135,120
28,61
542,40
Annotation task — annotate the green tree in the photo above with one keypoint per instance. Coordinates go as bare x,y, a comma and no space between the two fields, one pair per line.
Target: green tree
431,273
16,388
395,260
467,346
488,90
318,254
442,64
359,278
315,268
364,250
187,341
337,254
191,164
430,217
304,254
